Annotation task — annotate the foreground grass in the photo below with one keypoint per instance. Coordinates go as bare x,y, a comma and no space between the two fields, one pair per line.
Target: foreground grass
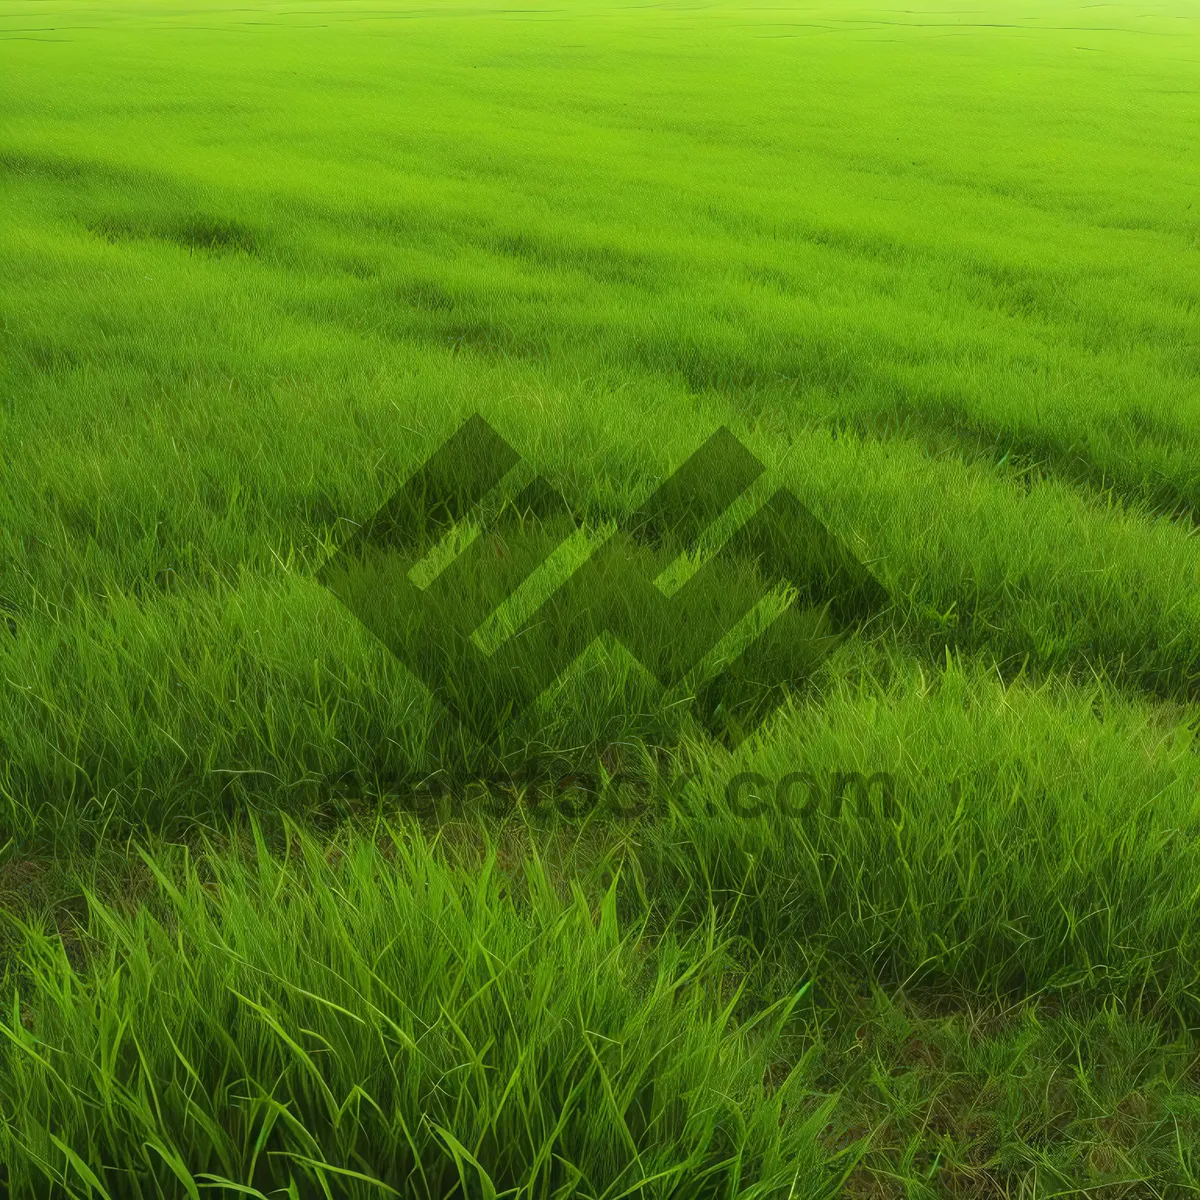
936,270
974,1011
385,1012
432,1031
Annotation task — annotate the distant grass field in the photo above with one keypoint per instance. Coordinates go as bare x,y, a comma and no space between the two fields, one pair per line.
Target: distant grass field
937,268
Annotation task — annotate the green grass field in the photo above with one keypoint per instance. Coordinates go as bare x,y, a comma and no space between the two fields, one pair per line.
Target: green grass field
937,268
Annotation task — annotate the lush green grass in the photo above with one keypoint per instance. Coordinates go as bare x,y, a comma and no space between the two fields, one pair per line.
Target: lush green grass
937,269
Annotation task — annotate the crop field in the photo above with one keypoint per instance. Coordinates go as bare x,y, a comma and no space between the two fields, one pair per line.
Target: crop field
784,779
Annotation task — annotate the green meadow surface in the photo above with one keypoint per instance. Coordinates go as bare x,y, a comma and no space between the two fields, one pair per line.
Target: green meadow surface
937,268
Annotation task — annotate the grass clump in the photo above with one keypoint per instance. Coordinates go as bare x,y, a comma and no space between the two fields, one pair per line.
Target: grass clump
387,1022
